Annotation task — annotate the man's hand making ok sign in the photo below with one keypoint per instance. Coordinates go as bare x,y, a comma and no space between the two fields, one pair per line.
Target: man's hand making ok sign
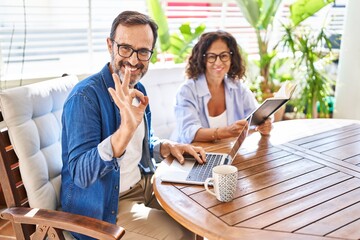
131,113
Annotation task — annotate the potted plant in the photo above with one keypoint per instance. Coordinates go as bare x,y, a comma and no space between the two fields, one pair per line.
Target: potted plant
179,45
260,15
309,59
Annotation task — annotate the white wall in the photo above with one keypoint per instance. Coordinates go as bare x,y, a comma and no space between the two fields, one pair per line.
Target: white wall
347,94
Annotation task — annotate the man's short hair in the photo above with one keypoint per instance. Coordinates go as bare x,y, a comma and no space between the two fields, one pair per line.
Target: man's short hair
132,18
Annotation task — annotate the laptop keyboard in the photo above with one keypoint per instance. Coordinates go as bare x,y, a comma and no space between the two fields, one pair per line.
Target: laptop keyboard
200,172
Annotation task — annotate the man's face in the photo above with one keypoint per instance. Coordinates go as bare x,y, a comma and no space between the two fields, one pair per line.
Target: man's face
138,37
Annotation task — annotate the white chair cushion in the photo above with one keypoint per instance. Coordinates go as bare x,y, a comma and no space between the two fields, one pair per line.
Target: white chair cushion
32,114
161,85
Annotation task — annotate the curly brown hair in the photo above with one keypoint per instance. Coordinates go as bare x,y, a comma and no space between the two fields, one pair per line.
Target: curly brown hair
197,62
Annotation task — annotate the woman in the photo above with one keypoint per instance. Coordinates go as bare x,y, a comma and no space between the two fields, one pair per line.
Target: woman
213,103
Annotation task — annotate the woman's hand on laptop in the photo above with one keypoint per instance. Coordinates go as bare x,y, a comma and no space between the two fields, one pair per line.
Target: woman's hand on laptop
177,150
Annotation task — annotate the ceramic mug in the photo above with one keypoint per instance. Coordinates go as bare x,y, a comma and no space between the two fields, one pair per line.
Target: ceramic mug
224,181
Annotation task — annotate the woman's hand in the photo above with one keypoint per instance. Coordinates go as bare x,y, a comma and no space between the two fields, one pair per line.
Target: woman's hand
177,150
265,128
233,130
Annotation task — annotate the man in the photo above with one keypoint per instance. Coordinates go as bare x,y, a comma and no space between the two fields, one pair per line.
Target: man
107,140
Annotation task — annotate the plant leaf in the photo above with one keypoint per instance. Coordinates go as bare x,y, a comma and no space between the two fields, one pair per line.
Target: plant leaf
302,9
157,13
267,14
181,45
251,11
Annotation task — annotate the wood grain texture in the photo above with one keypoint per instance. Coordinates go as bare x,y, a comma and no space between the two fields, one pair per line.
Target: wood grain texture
302,182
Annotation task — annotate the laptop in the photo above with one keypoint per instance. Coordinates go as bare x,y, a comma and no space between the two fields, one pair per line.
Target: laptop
191,172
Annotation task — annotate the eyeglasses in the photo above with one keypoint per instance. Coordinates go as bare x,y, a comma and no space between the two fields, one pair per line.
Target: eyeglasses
126,51
211,57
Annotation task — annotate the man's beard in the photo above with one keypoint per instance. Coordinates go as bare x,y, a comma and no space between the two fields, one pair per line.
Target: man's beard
134,79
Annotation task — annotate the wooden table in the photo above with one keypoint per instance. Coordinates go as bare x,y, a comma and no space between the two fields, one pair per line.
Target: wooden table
302,182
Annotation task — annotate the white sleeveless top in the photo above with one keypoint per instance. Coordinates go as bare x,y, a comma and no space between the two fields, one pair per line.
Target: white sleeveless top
218,121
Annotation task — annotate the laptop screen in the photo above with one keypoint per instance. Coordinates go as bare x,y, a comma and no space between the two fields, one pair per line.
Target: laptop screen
239,140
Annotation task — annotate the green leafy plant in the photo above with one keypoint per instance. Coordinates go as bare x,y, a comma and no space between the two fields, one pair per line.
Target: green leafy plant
302,9
260,15
157,13
278,73
180,45
304,45
309,69
309,58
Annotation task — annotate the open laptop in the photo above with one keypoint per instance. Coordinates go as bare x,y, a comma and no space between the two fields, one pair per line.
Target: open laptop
191,172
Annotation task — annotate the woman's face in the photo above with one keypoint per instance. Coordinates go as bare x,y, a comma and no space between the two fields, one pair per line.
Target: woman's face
218,59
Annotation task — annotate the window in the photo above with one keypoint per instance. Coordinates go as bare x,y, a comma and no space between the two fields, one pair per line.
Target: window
46,38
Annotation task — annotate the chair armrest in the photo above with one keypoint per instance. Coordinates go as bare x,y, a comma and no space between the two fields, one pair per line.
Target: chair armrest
63,221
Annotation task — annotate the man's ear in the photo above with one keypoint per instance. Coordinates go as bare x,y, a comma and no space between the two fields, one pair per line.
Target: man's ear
109,45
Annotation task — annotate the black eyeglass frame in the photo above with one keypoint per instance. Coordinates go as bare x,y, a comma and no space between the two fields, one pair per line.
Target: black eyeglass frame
216,56
132,51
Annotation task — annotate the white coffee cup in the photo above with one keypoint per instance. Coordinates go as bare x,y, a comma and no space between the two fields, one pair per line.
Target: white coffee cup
224,180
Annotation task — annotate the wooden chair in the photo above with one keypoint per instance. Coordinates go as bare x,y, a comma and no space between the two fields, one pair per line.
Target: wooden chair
30,164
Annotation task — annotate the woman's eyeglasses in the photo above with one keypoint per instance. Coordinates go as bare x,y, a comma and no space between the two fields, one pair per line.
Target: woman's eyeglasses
211,57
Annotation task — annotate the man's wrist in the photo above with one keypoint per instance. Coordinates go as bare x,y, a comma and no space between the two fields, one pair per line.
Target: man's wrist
119,141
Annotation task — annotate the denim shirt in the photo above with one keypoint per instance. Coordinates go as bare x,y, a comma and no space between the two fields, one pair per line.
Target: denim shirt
90,184
191,109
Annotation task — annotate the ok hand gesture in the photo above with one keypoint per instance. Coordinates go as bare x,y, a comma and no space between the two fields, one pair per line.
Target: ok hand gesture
131,114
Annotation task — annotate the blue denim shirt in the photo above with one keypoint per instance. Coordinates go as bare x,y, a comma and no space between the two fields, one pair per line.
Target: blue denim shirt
90,184
191,109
